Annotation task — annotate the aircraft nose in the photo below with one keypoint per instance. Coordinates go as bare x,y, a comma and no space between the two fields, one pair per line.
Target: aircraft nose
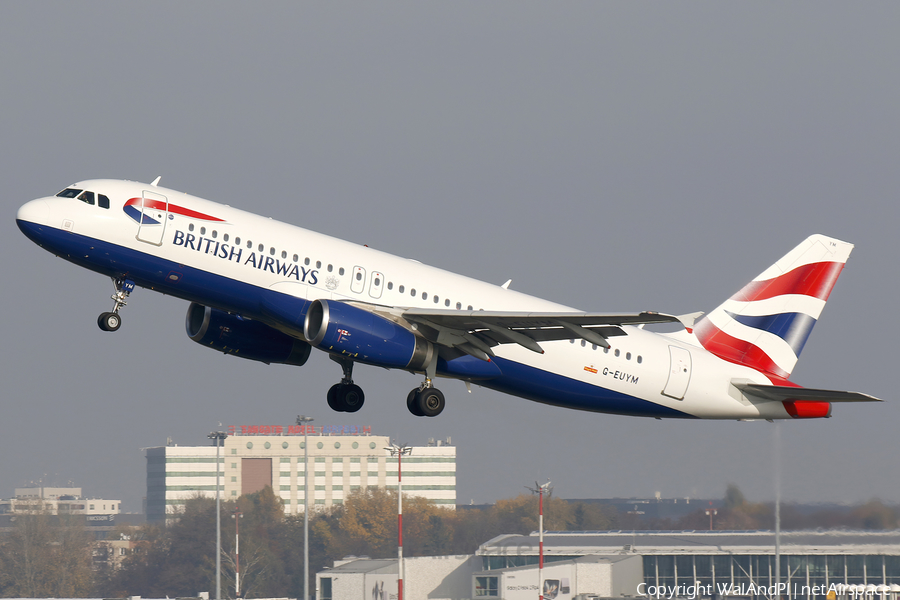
36,211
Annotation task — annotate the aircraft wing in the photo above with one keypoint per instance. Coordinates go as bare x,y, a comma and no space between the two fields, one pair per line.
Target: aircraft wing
781,393
476,332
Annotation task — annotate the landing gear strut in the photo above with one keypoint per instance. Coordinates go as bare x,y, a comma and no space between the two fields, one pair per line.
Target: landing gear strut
426,400
345,396
111,321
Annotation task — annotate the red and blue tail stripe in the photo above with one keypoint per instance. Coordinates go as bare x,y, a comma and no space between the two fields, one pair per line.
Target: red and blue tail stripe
767,323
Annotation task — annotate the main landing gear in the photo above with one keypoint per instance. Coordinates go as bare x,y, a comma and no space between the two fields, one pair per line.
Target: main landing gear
111,321
345,396
425,401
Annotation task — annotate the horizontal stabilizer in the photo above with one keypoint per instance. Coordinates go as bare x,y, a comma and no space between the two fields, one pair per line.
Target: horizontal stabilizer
781,393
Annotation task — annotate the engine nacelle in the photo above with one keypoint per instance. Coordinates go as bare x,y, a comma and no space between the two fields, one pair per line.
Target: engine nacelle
341,328
243,338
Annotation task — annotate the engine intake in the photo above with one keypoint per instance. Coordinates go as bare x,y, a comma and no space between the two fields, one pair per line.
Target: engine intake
342,328
244,338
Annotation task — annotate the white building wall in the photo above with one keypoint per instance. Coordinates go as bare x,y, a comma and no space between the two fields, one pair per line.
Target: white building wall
338,464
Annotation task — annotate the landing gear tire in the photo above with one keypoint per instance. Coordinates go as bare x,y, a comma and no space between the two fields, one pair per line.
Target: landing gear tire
109,321
332,397
411,403
346,397
430,402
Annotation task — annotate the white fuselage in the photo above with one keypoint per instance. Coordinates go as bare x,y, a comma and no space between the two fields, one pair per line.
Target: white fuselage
221,257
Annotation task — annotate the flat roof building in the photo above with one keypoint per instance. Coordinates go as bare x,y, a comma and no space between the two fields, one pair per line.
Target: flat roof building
856,565
341,459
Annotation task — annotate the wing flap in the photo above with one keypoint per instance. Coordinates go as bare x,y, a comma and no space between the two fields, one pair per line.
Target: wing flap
464,330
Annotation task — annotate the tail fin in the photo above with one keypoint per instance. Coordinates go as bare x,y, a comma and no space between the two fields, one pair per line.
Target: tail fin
767,323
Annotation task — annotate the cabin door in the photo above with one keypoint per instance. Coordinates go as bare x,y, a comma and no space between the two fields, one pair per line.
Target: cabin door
154,213
679,372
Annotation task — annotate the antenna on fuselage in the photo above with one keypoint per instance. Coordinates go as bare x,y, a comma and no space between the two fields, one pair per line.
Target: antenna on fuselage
156,181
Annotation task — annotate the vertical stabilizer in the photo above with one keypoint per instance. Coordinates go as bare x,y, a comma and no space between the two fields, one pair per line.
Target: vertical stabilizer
767,323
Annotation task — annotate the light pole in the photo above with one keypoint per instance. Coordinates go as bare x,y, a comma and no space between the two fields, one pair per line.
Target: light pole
237,561
540,490
399,451
303,420
711,512
218,436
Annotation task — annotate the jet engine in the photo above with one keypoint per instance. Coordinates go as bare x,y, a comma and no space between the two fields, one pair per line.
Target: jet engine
244,338
364,336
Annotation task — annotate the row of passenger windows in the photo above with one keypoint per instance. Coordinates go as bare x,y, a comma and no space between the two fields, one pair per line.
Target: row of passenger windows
329,268
85,196
616,351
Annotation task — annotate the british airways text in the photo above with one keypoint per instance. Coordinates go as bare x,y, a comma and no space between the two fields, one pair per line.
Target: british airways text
257,261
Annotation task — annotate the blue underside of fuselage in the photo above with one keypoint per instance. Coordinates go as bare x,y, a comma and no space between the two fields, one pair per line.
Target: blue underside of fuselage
224,293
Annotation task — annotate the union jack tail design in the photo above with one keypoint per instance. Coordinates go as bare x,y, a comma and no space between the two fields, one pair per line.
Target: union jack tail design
767,323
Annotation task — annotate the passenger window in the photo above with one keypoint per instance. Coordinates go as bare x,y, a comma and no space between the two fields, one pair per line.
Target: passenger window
424,296
237,241
447,302
330,268
87,198
296,258
617,352
640,359
341,271
283,254
190,226
400,289
459,306
470,307
318,264
437,299
390,285
271,251
306,261
628,356
249,245
358,276
260,248
102,201
214,233
203,231
412,291
225,237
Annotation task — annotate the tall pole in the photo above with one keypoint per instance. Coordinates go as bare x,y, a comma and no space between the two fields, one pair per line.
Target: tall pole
304,421
399,451
237,560
540,490
777,448
541,546
218,436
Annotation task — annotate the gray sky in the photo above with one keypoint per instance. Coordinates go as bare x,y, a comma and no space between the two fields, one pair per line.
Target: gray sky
609,156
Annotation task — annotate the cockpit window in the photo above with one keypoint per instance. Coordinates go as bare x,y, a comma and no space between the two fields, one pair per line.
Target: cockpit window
69,193
103,201
87,198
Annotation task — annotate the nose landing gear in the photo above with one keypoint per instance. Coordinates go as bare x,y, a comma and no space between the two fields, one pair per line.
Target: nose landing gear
111,321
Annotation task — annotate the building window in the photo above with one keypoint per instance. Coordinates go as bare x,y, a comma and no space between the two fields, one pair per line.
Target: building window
355,445
337,444
320,445
284,445
249,445
267,445
325,588
486,587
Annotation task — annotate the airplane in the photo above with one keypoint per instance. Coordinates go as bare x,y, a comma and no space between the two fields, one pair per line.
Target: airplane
268,291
